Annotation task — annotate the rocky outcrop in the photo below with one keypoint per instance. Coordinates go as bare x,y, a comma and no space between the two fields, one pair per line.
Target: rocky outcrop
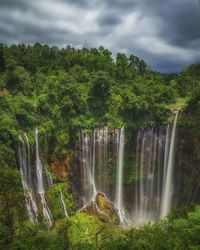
102,208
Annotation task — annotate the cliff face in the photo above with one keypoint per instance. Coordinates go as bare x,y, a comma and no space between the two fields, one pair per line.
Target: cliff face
188,157
61,167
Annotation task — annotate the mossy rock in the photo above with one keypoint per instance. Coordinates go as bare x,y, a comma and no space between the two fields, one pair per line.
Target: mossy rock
102,208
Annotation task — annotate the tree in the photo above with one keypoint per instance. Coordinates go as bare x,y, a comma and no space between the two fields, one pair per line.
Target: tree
121,67
99,94
11,196
2,58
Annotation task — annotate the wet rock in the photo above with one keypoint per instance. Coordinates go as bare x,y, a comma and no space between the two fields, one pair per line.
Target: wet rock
102,208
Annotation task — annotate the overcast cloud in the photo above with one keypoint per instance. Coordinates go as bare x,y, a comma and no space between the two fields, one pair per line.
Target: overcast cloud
166,34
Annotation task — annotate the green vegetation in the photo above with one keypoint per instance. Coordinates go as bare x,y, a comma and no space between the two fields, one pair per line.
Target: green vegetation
61,91
53,198
179,232
84,232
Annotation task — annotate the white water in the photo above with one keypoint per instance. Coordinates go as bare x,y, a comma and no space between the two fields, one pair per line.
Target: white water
63,204
166,153
95,149
87,160
168,174
119,180
102,151
46,211
151,153
29,178
40,183
39,171
145,175
49,177
93,159
155,155
25,171
95,152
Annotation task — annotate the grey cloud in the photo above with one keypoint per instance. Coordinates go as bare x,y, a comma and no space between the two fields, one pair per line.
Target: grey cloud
186,27
109,20
78,2
122,5
15,30
17,4
174,27
180,19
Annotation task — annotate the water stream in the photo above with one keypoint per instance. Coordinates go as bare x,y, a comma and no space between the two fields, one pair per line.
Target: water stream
168,173
40,183
25,171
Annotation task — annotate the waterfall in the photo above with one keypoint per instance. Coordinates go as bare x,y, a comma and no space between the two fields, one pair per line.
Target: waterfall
166,153
39,170
40,183
87,161
101,150
168,174
93,158
29,179
50,182
95,150
119,180
93,161
63,204
49,177
46,211
25,171
101,143
148,174
155,154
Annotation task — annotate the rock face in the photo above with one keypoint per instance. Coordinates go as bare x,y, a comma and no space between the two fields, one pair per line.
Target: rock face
102,208
187,166
60,167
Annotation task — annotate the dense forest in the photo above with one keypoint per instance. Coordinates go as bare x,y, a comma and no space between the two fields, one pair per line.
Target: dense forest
62,91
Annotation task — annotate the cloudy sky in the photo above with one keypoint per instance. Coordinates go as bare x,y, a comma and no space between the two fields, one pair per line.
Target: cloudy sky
165,33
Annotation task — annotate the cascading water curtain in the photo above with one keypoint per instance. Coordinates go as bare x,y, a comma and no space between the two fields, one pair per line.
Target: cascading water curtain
94,152
28,178
87,167
25,171
154,173
101,146
120,173
40,183
93,158
149,162
168,173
